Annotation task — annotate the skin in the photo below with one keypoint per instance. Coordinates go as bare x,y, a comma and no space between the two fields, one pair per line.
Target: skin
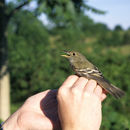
40,112
84,113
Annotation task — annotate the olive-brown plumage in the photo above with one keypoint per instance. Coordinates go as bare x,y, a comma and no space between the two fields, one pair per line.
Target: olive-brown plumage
84,68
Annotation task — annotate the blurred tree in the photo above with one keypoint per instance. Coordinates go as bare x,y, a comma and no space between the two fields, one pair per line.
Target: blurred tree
128,28
28,46
118,28
126,37
111,38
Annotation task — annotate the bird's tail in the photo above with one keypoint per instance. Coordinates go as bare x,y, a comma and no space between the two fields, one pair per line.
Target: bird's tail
113,90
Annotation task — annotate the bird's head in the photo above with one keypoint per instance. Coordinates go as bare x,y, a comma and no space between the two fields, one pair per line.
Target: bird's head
74,56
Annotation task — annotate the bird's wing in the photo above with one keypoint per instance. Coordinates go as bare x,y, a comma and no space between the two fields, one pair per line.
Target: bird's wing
95,74
88,71
94,71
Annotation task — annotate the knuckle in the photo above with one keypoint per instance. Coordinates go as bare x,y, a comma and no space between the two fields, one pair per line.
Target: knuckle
72,76
92,81
86,94
83,78
75,91
29,99
61,92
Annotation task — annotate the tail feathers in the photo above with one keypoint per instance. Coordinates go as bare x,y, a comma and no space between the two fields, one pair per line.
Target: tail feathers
113,90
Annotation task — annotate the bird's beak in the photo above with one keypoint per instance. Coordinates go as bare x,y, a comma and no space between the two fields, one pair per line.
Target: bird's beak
66,55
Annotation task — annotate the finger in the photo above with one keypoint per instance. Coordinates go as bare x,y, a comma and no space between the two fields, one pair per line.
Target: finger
69,81
80,83
103,96
90,86
37,97
98,91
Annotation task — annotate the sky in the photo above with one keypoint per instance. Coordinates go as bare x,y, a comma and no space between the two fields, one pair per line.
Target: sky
118,12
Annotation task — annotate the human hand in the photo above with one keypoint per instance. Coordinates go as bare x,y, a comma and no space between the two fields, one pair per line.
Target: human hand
39,112
79,104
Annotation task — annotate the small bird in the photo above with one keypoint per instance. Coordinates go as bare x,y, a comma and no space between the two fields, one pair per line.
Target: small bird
84,68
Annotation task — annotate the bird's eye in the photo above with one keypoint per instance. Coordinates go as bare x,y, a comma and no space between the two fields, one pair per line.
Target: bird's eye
73,54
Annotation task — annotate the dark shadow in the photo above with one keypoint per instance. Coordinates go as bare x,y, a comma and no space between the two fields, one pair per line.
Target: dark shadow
49,107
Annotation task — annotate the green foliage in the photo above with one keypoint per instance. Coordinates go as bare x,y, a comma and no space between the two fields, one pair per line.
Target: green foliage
118,28
28,42
64,12
126,38
116,37
111,38
0,121
15,106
